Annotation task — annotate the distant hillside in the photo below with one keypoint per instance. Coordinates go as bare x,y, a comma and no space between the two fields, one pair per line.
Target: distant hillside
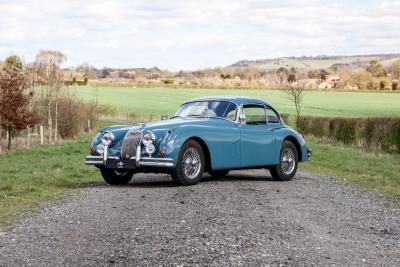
318,62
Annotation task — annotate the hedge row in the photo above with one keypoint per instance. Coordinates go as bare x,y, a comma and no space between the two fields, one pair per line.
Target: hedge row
376,132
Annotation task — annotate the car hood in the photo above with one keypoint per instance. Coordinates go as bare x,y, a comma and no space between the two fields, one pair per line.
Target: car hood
172,123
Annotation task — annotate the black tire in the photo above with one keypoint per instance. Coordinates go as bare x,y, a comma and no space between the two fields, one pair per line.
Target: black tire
284,171
191,150
219,173
116,177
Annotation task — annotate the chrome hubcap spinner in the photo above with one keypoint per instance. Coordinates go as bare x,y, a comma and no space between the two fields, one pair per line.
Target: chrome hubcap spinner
191,163
288,161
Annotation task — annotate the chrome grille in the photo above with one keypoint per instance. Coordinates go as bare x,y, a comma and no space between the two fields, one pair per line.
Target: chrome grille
130,144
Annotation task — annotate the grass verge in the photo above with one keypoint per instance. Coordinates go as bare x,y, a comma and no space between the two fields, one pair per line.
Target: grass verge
373,170
28,177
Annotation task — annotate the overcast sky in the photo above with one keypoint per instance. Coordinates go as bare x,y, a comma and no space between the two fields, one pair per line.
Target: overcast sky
191,34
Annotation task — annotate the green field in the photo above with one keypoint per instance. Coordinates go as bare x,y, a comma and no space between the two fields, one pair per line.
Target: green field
165,101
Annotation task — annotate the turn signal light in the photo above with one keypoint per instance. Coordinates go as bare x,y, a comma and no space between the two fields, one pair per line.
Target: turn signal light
161,153
92,150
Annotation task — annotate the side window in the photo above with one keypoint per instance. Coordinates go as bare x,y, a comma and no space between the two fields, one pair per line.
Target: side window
272,117
255,114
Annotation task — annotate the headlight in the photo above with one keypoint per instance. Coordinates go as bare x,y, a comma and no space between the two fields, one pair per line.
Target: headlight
148,138
107,138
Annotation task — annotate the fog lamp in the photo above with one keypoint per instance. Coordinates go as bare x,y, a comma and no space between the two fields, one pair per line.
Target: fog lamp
150,149
100,148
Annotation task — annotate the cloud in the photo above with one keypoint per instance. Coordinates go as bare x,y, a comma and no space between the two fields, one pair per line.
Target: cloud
191,34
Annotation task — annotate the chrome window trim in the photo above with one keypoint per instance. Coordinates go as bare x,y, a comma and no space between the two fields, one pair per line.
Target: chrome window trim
265,107
255,104
276,113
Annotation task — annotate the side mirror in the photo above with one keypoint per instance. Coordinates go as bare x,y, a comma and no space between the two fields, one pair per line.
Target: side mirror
242,119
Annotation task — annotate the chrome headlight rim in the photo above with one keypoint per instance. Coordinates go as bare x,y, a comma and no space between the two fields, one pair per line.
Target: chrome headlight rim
148,138
107,138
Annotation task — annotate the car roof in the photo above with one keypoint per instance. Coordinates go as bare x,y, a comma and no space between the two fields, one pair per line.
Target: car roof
238,100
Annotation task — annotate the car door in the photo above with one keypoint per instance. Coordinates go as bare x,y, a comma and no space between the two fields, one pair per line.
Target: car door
257,137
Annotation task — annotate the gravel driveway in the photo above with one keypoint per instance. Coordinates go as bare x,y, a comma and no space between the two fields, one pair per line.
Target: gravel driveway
244,219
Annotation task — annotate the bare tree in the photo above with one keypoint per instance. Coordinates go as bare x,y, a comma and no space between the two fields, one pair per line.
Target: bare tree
49,75
394,69
296,94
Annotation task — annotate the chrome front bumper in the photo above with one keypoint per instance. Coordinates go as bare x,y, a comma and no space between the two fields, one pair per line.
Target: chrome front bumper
131,163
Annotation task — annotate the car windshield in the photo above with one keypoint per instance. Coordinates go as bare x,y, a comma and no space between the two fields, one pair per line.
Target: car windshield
208,109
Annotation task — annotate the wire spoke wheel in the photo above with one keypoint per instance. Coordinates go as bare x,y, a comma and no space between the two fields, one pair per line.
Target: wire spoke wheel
191,163
288,161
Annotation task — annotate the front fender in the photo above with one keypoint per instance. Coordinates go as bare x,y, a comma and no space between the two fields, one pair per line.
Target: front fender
289,133
178,136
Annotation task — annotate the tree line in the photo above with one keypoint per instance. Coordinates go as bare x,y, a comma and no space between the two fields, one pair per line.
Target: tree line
374,76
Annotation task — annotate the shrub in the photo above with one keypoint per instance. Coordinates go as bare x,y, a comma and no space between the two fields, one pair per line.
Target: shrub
394,85
74,116
107,110
291,78
285,117
382,84
167,81
381,133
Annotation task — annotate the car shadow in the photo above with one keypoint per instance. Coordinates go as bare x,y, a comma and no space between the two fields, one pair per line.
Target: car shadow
152,180
166,181
238,177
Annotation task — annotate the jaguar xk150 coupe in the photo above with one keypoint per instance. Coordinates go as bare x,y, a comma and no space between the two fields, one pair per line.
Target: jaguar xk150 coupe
210,134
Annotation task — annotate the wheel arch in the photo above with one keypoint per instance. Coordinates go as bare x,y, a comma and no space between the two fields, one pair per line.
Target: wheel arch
296,144
206,151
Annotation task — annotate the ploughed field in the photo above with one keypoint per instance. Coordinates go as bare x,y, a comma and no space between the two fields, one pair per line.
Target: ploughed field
245,219
166,101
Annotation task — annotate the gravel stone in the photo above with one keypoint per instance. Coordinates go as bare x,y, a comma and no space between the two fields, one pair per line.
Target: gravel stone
245,219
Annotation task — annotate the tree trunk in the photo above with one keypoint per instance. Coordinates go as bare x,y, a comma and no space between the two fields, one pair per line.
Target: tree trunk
49,120
56,123
9,139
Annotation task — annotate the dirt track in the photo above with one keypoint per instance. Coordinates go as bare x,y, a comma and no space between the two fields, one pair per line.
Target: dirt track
244,219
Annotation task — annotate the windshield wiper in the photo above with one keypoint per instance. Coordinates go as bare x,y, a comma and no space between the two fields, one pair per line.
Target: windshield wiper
177,116
196,116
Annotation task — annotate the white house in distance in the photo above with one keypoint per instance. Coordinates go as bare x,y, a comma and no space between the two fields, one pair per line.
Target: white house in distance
330,82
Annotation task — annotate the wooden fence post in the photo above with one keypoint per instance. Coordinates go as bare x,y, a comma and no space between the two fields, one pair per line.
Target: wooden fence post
41,134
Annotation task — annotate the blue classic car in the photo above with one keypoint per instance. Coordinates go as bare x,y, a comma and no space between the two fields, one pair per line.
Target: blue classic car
210,134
